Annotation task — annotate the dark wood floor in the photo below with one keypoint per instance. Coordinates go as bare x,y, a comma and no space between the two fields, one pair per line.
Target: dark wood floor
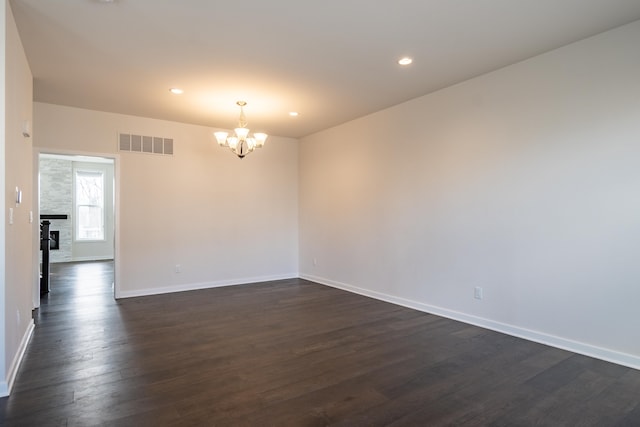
291,353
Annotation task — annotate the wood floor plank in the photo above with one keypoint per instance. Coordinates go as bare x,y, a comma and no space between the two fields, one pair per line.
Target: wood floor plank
291,353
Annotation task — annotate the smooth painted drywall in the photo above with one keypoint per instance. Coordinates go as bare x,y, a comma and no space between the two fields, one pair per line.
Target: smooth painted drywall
18,236
524,182
222,219
4,385
99,249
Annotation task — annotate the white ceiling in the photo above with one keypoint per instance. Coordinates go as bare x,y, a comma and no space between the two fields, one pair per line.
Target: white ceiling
332,61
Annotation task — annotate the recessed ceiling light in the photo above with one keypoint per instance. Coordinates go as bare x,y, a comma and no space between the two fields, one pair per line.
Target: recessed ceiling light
405,61
293,114
176,91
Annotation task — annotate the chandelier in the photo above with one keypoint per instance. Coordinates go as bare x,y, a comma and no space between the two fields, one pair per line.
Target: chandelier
241,144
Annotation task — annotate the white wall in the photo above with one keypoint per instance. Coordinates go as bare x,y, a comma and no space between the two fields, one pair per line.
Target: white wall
97,249
524,181
18,237
222,219
4,384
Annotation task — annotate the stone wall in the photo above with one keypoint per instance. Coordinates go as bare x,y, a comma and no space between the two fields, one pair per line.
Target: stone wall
56,197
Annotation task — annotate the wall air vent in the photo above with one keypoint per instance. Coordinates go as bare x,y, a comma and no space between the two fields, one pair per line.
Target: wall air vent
145,144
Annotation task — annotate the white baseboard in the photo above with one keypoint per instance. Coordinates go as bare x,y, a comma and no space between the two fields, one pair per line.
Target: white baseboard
91,258
608,355
202,285
7,385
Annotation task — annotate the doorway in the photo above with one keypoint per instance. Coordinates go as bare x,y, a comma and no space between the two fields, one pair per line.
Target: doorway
77,195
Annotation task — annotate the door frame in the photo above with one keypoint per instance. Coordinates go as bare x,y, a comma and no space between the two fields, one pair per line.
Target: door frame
37,151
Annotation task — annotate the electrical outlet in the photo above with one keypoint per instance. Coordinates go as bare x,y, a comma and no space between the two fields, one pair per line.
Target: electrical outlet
315,262
477,292
178,268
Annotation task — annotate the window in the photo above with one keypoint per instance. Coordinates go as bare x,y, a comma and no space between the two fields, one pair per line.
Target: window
89,198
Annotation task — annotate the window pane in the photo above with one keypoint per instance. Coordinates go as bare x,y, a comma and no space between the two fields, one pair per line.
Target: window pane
89,205
90,223
89,188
